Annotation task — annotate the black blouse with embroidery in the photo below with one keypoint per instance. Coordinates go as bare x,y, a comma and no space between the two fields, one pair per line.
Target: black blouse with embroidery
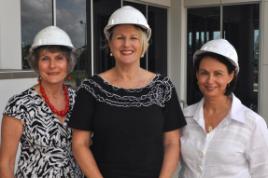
128,124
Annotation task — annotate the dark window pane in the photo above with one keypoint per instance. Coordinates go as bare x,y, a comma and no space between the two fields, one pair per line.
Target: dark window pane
102,11
241,28
142,8
203,25
35,15
157,56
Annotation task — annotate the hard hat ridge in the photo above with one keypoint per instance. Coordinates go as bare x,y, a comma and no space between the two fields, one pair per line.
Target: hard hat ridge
51,35
221,47
127,15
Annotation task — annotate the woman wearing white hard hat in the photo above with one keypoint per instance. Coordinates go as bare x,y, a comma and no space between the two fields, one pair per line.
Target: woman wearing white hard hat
37,118
223,138
126,120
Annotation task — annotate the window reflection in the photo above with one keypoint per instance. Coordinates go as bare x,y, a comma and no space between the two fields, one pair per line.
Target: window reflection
70,16
35,15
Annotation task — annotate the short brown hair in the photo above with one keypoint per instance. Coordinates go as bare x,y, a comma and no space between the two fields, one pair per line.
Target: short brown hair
69,53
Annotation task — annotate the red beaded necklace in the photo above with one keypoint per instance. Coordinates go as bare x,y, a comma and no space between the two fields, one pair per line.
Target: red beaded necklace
60,113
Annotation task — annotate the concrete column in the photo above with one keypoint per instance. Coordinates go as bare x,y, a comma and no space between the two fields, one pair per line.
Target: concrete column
177,47
263,82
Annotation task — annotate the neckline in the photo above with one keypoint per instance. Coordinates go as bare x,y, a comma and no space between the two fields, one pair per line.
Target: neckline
148,85
63,123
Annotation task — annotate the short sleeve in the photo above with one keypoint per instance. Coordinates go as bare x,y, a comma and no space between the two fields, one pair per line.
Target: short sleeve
83,111
173,114
16,107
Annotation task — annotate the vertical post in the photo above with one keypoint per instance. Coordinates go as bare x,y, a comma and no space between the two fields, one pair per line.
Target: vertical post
263,64
221,21
146,55
54,12
92,37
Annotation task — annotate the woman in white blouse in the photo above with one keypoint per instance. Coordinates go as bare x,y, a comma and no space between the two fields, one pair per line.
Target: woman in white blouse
223,138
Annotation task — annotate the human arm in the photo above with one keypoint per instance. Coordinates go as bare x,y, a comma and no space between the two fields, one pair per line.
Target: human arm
11,132
174,120
257,152
171,153
80,144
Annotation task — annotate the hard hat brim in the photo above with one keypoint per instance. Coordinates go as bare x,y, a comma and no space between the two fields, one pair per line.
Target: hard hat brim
200,52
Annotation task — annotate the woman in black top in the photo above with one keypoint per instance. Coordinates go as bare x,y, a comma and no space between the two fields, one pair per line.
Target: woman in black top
128,116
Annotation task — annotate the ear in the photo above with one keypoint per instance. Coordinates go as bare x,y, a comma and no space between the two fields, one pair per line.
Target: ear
109,46
231,75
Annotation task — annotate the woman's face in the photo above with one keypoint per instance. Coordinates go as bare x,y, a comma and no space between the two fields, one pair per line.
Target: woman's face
125,44
213,77
53,66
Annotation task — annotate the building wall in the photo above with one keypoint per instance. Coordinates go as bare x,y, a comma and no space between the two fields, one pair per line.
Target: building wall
10,35
9,87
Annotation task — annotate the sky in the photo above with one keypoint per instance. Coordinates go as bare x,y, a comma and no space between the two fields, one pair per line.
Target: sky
70,16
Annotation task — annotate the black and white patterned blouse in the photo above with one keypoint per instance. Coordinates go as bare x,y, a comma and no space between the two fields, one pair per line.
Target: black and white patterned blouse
45,141
128,124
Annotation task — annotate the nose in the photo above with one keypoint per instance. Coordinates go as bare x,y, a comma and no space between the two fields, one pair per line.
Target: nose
51,63
210,78
126,42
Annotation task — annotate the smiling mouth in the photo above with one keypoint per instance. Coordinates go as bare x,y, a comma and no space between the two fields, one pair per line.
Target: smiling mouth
209,88
54,73
127,52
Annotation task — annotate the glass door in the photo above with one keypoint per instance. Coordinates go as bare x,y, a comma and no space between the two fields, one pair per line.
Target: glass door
241,28
203,25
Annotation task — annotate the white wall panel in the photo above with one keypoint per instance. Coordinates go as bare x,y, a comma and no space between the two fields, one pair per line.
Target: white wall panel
10,34
10,87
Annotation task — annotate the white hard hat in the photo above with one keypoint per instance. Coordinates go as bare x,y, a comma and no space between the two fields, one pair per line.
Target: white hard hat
51,35
127,15
221,47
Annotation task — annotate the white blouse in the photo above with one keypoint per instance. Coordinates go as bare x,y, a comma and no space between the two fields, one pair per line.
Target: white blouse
236,148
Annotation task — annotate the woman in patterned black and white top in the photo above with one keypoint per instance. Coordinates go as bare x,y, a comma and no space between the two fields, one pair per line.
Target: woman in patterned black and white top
37,118
128,116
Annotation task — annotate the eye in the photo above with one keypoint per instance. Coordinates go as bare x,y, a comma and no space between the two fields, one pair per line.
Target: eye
134,38
44,58
60,57
218,74
202,72
119,37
